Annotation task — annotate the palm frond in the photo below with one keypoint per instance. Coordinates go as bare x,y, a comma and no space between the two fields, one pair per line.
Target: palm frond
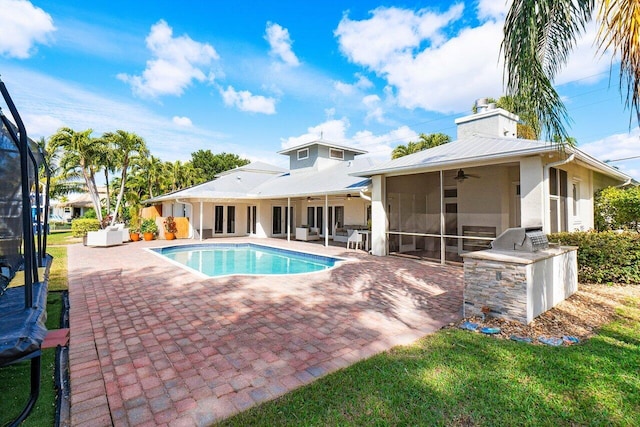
620,32
538,36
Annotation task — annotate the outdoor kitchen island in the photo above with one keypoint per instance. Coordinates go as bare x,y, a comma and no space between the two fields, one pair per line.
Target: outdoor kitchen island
520,277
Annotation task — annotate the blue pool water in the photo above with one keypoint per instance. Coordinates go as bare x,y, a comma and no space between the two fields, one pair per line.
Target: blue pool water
225,259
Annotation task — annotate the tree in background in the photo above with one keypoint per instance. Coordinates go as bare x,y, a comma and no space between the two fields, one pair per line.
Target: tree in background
124,146
209,164
617,208
425,141
538,37
80,156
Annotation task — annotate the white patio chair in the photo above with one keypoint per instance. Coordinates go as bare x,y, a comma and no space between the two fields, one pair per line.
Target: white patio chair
354,238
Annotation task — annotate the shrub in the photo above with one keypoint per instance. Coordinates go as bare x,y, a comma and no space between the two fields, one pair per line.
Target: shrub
81,226
149,226
605,257
617,208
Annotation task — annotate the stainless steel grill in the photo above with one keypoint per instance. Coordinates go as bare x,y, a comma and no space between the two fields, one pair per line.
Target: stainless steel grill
523,239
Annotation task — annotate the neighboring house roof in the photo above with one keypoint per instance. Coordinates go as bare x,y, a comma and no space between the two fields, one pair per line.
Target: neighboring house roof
262,181
324,143
479,149
82,200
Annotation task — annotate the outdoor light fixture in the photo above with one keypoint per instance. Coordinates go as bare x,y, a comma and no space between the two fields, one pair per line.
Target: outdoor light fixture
348,196
308,199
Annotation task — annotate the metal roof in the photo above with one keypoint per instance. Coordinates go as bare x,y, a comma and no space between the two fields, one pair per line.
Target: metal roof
338,179
246,183
481,149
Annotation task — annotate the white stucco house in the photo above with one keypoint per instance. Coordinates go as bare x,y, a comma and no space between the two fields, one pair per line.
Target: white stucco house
433,204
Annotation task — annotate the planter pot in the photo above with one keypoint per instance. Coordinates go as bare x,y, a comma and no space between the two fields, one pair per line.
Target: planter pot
169,236
148,236
134,236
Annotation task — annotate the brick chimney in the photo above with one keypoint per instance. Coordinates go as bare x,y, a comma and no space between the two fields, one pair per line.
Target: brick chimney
488,121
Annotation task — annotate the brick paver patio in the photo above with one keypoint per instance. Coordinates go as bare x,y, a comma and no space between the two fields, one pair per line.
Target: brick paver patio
153,344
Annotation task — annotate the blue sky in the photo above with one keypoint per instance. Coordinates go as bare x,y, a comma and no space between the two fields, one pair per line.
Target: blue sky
254,77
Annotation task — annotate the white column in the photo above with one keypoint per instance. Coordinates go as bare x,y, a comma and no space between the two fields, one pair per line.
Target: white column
325,220
201,215
443,246
379,220
288,217
534,211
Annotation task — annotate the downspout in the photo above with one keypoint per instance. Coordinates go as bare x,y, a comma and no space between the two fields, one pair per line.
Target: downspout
545,190
364,196
190,236
624,184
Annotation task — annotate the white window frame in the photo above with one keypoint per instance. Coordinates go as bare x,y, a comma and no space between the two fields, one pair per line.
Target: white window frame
302,156
336,150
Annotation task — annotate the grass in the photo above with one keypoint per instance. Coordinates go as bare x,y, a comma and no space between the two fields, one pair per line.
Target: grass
61,238
15,379
456,377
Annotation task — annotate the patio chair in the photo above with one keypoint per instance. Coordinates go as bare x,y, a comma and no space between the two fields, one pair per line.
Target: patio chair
354,238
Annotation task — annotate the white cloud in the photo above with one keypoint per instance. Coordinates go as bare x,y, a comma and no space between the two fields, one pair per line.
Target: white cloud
245,101
331,130
42,125
348,89
23,25
177,61
493,9
425,69
618,146
182,121
374,110
280,43
391,32
585,64
52,103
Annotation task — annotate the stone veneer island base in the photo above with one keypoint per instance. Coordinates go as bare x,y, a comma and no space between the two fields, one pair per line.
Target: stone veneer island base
517,285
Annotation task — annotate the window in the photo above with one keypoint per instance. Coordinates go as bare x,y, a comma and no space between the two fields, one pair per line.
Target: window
558,188
303,154
219,219
231,219
277,220
576,198
311,218
334,153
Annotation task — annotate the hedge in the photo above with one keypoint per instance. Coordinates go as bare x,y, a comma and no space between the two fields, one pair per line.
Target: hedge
605,257
81,226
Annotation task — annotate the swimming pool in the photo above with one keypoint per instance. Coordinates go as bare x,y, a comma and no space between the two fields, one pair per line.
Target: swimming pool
224,259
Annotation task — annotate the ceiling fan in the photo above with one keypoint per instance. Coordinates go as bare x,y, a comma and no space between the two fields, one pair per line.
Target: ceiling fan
461,176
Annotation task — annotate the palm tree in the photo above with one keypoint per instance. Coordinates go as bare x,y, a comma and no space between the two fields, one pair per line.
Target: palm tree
81,154
538,37
425,141
125,145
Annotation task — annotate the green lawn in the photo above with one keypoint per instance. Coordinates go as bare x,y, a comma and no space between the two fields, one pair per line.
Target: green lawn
62,238
460,378
14,380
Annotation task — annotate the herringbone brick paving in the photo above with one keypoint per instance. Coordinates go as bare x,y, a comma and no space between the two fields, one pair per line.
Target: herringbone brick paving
153,344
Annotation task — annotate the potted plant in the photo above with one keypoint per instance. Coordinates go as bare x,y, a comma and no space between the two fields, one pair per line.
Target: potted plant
134,234
149,228
170,228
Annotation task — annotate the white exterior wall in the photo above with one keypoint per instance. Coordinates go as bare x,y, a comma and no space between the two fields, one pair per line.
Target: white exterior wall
532,192
379,221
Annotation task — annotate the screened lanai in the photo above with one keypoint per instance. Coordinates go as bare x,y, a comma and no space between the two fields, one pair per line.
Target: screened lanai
439,215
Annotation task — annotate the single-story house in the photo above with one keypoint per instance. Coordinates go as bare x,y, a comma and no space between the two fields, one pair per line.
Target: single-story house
318,195
436,204
443,201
